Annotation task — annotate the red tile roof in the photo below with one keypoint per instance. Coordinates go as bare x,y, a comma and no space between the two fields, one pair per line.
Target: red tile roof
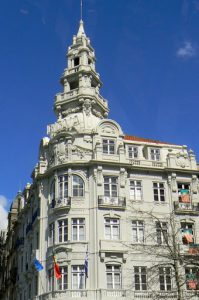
140,139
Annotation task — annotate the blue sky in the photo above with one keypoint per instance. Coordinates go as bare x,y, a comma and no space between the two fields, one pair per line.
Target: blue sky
147,56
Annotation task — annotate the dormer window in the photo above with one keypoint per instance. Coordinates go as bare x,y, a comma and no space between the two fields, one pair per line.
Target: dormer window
108,146
76,61
155,154
133,152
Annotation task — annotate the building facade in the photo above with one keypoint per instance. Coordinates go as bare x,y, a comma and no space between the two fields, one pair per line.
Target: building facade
127,205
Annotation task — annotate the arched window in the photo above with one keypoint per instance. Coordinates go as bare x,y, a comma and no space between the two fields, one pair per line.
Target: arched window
78,186
63,187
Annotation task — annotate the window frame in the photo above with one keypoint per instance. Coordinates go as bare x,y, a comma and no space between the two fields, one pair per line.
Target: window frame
161,232
63,186
136,228
77,186
80,273
112,190
156,155
136,190
113,271
62,283
157,190
110,224
62,230
138,276
164,277
51,235
188,226
108,146
133,152
195,271
78,226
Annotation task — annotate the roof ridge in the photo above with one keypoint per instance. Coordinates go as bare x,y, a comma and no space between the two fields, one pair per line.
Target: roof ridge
141,139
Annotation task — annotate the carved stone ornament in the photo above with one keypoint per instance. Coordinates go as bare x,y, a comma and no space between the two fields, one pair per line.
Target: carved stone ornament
99,175
174,187
182,159
62,152
87,105
122,177
194,184
64,125
80,151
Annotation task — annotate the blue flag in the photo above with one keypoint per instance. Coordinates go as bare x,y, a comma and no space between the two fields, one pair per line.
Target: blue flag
86,265
38,265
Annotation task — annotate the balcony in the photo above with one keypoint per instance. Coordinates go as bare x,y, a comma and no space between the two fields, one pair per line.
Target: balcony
61,203
186,207
112,202
67,294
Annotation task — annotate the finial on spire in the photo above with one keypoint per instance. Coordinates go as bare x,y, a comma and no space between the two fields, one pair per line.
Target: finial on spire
81,10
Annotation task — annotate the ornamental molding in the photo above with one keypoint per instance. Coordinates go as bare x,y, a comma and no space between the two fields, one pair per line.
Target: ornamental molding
182,159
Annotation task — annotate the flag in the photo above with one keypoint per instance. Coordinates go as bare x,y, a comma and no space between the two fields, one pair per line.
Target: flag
56,269
38,265
86,265
184,195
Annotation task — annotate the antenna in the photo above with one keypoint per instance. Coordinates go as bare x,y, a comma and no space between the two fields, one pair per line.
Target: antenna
81,9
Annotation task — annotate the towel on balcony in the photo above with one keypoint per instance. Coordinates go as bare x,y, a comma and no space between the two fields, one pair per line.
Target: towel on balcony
192,284
188,236
184,196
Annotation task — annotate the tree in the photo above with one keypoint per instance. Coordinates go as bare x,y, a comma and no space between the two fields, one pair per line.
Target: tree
169,244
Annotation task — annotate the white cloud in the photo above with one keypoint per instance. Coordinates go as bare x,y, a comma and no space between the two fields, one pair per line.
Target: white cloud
3,212
24,11
186,51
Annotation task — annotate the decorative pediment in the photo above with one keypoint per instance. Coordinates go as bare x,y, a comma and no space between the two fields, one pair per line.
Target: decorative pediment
109,128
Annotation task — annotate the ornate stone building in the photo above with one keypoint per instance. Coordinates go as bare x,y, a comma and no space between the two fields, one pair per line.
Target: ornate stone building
129,204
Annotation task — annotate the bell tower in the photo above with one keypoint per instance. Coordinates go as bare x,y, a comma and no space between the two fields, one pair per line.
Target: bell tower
80,105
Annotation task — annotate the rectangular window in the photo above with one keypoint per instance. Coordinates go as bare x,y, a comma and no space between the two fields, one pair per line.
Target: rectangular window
162,232
113,277
63,230
155,154
135,190
159,191
165,278
110,186
187,231
50,280
63,281
63,187
184,192
78,277
192,278
112,229
78,229
108,146
133,152
51,239
138,231
140,277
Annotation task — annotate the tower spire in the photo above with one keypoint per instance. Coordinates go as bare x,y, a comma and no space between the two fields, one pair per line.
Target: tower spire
81,11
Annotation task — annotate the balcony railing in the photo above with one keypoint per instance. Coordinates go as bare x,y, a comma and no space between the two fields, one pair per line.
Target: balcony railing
186,207
112,201
61,202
